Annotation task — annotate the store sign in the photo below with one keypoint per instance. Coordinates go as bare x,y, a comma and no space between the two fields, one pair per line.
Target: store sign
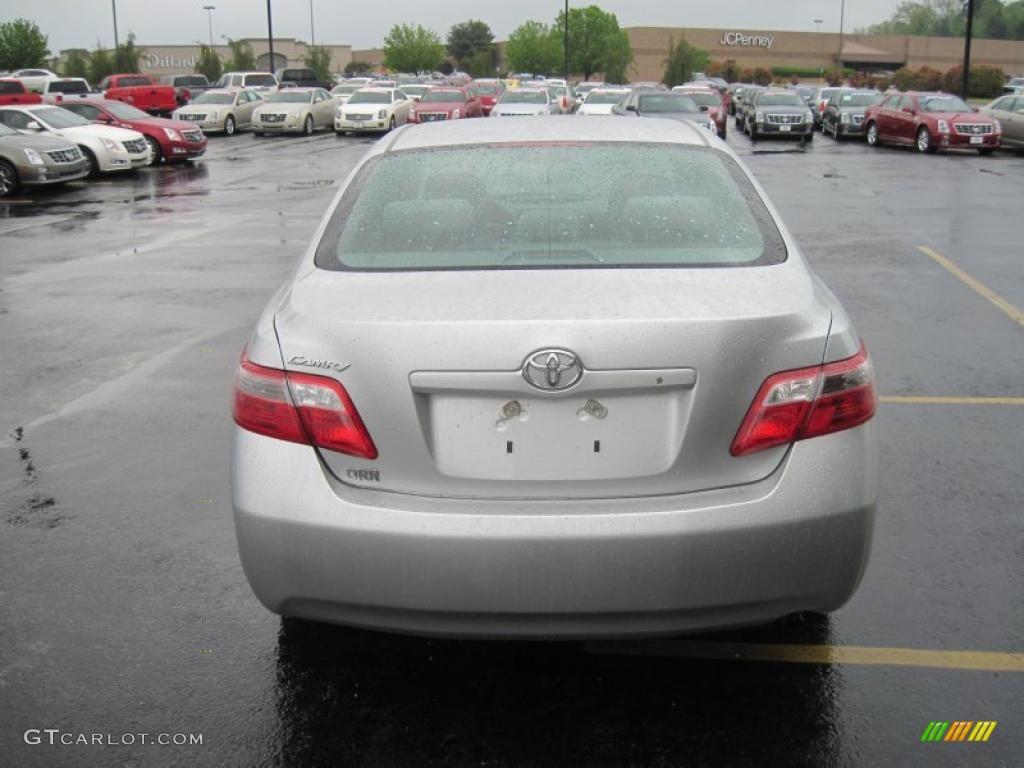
153,61
730,39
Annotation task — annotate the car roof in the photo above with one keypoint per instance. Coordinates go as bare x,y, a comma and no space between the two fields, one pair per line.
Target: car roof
542,130
377,90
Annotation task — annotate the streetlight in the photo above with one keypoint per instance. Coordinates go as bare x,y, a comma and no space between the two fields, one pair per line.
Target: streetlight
967,50
817,24
842,18
312,29
113,4
270,37
566,46
209,17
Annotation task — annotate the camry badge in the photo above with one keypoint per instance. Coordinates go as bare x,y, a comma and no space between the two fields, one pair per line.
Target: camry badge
552,369
303,360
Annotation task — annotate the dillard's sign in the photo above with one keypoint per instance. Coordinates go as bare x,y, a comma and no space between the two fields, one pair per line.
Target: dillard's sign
738,38
153,61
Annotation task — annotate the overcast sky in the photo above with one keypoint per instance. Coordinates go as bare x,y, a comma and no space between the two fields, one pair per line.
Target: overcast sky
80,23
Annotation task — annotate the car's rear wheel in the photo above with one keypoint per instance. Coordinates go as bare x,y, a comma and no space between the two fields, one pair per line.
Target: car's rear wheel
229,125
307,127
91,166
924,140
8,179
155,155
872,136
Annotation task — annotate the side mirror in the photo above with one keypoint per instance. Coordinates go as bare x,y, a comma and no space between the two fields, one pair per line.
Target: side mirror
631,108
34,126
975,109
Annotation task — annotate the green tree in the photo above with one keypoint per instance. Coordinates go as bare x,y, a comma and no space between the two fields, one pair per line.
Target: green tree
126,56
683,60
728,70
534,47
358,67
209,63
472,40
22,45
242,58
409,48
596,44
101,65
77,64
318,58
480,64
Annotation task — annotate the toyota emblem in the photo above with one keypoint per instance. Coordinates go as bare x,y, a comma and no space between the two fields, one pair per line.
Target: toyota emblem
552,369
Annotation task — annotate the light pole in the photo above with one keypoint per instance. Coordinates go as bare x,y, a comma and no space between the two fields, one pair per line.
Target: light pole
312,29
113,4
270,37
209,17
566,46
842,18
817,24
967,49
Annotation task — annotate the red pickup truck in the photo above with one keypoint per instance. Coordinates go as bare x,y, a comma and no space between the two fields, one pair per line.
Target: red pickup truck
13,91
142,92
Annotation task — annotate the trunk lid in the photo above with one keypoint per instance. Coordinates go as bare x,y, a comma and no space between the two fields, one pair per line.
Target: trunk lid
671,361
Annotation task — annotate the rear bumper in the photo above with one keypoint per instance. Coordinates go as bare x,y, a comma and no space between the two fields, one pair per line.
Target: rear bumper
316,548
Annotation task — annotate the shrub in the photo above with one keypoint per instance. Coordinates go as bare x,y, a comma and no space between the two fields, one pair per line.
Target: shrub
985,82
835,77
762,76
928,79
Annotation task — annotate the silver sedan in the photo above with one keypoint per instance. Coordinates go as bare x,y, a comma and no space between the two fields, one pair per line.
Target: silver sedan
467,416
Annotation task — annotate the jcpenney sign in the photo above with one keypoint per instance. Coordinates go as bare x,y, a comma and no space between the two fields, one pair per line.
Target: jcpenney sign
738,38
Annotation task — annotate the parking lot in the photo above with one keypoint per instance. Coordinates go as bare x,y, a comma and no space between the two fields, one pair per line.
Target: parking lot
124,610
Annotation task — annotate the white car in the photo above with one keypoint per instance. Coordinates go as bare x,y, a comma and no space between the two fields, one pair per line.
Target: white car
222,111
342,93
373,109
294,110
105,147
262,82
33,79
521,102
600,101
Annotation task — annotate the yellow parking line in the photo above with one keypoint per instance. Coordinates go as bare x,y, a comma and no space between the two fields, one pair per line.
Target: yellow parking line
16,202
1014,313
927,400
983,661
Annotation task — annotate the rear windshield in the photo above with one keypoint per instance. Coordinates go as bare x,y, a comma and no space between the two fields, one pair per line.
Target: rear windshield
484,90
859,99
565,205
251,80
68,86
9,87
597,97
706,99
668,103
291,97
443,96
186,80
369,97
214,98
524,97
132,82
780,100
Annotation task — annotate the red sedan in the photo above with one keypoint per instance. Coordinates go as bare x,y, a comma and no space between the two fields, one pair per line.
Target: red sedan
169,139
446,104
931,121
710,103
488,92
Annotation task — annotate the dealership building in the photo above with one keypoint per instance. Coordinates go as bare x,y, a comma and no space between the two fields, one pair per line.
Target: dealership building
749,47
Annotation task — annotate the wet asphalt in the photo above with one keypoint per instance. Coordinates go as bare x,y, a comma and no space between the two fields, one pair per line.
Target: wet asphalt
124,304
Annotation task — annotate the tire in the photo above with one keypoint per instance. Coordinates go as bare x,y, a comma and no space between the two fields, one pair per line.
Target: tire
339,134
8,179
307,127
871,136
721,134
752,132
92,167
836,133
986,152
809,136
156,156
391,124
229,125
924,141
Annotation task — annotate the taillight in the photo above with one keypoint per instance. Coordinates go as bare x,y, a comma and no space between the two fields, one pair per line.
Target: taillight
299,408
808,402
